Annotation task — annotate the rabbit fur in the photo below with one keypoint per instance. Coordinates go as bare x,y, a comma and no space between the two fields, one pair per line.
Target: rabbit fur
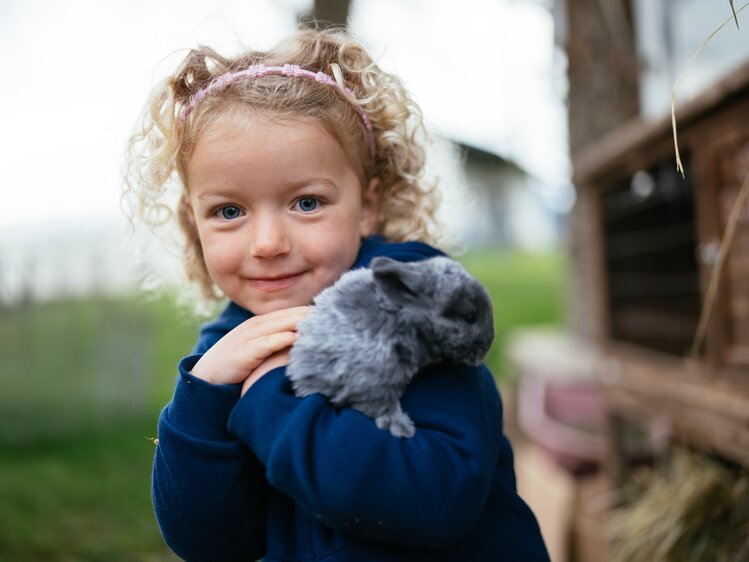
374,329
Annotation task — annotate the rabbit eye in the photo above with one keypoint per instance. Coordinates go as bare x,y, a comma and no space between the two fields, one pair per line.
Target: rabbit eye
461,311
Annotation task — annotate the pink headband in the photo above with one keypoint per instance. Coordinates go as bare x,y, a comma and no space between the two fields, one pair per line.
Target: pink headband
259,70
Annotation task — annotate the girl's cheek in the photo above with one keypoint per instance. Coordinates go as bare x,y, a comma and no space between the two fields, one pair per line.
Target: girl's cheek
218,255
224,254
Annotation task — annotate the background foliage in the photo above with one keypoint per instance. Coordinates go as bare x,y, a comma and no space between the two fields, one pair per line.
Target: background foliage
81,385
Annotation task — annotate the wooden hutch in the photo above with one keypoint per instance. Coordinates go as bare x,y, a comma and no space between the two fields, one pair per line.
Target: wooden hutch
655,245
644,240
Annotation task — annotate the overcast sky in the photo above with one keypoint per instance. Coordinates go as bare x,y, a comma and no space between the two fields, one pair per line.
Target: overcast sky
76,74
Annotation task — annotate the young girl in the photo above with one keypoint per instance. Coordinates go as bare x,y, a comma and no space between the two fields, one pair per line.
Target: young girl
296,165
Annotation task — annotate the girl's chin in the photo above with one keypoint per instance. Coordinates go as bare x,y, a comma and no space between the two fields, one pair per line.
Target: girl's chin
264,306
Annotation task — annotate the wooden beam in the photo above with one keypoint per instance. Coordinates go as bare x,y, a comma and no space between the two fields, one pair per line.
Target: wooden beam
602,68
704,409
616,146
329,13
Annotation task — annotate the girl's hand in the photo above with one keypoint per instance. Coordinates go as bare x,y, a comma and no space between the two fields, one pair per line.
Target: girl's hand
235,356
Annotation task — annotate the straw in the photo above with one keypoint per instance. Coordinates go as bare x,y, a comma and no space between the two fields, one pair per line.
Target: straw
679,165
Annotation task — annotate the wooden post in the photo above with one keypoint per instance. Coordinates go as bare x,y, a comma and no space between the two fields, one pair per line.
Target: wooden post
602,68
328,13
603,94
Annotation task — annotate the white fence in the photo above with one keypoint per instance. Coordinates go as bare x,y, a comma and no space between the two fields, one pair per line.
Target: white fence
68,260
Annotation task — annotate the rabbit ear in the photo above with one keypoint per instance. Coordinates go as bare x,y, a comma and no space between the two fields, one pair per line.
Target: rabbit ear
398,282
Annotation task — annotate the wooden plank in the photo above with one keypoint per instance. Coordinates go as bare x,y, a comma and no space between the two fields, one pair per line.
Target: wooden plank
649,241
644,322
731,153
623,147
706,428
676,381
738,258
704,409
615,460
708,229
739,300
728,196
740,330
587,292
738,354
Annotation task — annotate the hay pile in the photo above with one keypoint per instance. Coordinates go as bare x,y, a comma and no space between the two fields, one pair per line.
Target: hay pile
691,510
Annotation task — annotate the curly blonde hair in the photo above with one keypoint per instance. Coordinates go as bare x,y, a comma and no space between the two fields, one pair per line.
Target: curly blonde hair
159,150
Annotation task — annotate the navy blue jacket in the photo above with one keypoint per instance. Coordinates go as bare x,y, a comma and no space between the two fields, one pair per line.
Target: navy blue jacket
277,477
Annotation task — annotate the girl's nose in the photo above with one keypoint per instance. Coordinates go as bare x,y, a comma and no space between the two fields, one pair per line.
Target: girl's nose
268,238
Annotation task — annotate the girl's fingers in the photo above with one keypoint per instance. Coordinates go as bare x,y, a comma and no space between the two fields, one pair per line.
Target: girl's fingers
259,349
245,347
277,321
230,362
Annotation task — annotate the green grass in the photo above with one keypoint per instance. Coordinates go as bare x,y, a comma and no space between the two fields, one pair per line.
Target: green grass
526,290
81,384
81,365
80,499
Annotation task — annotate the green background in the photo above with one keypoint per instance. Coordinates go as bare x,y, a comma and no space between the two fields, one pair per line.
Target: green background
81,385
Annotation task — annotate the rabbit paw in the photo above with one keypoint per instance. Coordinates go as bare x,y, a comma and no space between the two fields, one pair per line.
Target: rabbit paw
398,422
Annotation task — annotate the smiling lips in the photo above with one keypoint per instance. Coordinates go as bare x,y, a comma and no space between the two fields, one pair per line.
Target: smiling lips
271,284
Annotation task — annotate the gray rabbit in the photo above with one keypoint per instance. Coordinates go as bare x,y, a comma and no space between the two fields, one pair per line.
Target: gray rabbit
371,332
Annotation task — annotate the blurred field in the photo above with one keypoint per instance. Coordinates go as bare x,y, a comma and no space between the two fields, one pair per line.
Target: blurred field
526,289
81,385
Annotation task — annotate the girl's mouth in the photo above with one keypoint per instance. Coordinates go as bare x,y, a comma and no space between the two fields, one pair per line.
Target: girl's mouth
271,284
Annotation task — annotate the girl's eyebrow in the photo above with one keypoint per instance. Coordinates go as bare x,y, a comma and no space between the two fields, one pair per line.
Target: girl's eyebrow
217,194
223,192
299,184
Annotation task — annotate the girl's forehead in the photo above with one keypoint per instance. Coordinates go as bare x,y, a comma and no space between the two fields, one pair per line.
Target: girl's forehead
266,149
258,135
236,119
261,134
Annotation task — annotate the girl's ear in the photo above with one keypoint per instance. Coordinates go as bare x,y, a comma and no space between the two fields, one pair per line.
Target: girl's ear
185,212
370,209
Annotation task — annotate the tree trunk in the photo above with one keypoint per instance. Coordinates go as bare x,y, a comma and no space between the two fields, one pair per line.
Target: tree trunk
603,94
602,68
328,13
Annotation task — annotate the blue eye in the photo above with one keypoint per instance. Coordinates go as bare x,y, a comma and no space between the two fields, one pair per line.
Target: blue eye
307,204
230,212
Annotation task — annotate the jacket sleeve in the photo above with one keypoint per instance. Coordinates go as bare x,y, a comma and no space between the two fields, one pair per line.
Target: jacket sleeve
428,490
208,489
